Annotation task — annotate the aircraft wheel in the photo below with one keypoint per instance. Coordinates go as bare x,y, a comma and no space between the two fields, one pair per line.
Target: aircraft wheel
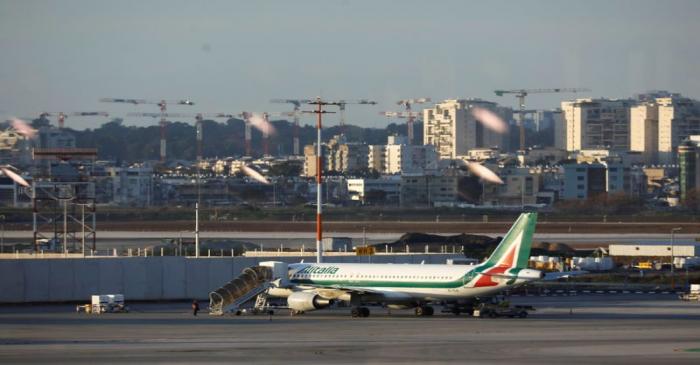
424,311
364,312
355,312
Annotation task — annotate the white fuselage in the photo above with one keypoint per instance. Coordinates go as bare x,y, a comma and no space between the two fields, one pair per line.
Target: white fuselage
396,282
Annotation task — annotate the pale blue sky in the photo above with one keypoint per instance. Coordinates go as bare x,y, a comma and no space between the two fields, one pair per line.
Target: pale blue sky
230,56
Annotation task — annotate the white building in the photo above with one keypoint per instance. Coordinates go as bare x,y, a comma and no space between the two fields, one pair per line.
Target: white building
644,131
398,157
660,125
595,123
662,250
132,186
453,130
371,190
678,119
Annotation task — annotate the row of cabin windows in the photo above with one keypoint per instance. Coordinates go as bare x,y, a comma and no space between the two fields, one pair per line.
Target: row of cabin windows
352,276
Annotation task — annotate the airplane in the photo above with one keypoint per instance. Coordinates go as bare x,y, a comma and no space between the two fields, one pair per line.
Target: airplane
316,286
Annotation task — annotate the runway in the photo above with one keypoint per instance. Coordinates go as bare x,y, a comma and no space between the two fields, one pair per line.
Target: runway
649,329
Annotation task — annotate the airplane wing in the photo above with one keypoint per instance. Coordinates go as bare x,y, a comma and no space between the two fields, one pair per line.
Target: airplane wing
335,291
561,275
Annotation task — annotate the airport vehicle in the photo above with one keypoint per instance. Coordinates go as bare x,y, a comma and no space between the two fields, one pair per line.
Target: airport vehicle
502,309
109,303
693,295
313,286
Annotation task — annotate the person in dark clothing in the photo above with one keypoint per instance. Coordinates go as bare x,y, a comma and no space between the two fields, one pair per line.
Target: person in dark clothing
195,307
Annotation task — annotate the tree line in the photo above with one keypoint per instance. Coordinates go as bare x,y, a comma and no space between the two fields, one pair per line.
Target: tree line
116,141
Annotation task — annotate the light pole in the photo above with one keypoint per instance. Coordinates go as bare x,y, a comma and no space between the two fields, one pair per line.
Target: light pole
673,241
319,172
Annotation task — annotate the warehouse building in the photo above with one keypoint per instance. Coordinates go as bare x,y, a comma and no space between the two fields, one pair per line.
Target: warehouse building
654,250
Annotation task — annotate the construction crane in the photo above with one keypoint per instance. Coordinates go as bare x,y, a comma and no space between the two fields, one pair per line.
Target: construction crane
297,105
521,93
402,115
248,134
265,131
163,105
199,118
406,103
63,115
343,103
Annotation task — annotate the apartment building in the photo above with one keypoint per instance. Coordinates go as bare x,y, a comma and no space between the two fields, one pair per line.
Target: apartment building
453,130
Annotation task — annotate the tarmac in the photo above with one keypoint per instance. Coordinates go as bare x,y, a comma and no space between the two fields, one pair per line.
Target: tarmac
584,329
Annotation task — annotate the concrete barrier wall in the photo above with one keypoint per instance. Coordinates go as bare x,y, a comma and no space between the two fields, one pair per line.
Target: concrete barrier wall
143,278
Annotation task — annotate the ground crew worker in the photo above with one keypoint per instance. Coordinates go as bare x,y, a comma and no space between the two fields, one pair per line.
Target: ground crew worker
195,307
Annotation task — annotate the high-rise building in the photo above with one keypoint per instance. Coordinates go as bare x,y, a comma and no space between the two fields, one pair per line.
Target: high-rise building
546,119
596,123
658,126
644,131
453,130
679,118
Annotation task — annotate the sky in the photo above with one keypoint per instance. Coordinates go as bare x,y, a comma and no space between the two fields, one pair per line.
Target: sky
231,56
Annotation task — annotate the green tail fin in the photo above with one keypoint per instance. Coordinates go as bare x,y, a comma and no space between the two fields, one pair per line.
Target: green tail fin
514,249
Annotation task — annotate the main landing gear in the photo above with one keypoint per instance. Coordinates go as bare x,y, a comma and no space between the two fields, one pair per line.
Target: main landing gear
424,310
359,312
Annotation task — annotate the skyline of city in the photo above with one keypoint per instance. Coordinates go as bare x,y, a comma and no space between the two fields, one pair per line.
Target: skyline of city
230,57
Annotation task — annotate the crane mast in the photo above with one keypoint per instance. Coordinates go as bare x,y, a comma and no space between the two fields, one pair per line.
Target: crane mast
521,94
163,105
341,107
297,105
406,103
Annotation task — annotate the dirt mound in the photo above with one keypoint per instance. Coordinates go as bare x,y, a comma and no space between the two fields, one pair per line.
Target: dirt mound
474,245
552,249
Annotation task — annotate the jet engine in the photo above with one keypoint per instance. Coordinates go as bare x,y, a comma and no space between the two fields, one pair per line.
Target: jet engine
306,301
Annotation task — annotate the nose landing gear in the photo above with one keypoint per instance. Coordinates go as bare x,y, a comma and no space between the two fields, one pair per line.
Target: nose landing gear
424,310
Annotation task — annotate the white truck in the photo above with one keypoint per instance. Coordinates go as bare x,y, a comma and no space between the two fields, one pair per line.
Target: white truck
107,303
693,295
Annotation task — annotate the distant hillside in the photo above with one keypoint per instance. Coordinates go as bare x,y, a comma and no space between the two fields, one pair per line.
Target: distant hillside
128,143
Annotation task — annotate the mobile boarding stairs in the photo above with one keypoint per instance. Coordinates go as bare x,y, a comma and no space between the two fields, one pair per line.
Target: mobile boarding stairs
253,282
